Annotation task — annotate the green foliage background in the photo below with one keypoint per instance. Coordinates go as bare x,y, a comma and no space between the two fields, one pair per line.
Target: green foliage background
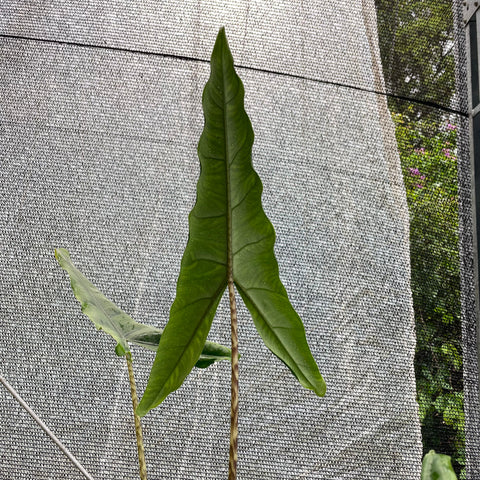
429,165
416,43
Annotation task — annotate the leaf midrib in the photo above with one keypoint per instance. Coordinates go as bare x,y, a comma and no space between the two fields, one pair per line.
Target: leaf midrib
227,174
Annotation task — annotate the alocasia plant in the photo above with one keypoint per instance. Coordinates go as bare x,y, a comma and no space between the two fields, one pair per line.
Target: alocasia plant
124,330
230,244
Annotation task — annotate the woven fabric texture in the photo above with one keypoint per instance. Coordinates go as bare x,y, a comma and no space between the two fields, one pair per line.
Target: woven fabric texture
98,154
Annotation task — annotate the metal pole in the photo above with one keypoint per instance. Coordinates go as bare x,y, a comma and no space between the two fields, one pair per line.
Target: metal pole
60,445
471,18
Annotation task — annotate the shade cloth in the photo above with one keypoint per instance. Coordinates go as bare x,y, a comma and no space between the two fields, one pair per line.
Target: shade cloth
100,115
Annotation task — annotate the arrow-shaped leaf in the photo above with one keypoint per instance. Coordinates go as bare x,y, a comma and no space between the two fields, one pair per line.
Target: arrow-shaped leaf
112,320
229,234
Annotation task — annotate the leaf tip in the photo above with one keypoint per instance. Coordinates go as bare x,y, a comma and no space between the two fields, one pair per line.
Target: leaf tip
140,411
61,252
221,37
322,389
145,406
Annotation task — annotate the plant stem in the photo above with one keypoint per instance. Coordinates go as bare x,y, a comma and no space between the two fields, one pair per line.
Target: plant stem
138,425
233,458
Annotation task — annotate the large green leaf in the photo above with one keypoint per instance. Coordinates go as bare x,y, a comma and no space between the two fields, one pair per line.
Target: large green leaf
228,229
436,466
112,320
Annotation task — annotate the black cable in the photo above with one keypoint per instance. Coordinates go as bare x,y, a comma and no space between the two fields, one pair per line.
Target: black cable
103,47
254,69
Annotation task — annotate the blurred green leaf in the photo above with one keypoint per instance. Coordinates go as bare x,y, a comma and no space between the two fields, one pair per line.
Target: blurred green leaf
436,466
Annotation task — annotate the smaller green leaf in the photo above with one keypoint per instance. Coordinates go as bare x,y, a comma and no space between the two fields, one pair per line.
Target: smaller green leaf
121,327
436,466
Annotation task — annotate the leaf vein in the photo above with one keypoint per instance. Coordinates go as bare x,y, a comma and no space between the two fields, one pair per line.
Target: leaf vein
241,147
250,243
264,289
218,262
189,304
245,196
208,216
